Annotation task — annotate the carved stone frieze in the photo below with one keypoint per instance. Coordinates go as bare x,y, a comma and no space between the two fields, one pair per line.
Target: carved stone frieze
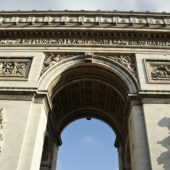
158,71
86,42
1,128
14,67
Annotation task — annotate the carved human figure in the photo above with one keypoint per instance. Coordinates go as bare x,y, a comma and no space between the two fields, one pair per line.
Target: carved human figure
15,68
167,70
51,60
160,71
127,62
1,68
7,68
21,68
157,73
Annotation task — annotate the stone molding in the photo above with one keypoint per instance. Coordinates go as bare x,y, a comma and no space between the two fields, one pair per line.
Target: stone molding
1,128
158,71
14,68
83,18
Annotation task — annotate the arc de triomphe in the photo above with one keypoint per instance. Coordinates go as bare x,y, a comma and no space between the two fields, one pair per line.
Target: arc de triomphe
59,66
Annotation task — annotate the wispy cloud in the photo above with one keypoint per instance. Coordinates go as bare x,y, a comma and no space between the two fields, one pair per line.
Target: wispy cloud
125,5
89,140
59,164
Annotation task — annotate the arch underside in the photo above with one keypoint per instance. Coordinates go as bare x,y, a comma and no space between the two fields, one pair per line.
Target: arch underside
89,91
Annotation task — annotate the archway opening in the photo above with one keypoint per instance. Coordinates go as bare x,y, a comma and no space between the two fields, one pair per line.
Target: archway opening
87,144
89,90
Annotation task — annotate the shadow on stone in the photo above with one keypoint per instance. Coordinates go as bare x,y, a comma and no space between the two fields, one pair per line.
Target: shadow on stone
164,158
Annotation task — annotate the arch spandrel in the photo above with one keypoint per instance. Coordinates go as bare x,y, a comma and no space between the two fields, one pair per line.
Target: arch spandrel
117,64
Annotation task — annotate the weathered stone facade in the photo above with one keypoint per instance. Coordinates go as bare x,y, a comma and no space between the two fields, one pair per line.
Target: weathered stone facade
56,67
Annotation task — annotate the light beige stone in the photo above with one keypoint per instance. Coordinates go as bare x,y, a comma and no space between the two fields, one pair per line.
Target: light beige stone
113,66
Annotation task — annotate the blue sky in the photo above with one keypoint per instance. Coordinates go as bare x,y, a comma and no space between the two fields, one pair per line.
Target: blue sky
87,145
135,5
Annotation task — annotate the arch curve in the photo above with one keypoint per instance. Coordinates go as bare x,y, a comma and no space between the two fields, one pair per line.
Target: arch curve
88,113
89,86
51,77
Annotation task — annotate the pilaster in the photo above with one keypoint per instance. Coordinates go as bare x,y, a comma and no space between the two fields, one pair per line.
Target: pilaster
140,159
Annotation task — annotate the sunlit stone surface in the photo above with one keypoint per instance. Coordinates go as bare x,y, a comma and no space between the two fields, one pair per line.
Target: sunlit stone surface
60,66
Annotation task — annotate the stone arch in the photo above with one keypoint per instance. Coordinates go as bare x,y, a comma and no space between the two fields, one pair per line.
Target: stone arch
90,86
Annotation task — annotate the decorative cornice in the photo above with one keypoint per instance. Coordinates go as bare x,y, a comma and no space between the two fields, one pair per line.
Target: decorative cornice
21,19
85,28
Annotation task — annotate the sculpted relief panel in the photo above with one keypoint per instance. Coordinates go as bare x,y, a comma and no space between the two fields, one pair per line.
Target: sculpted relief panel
158,71
16,68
